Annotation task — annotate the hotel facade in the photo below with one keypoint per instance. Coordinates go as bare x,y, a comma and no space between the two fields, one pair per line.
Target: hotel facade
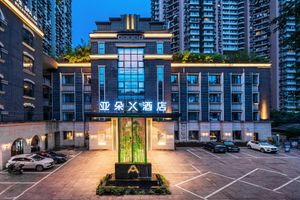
129,90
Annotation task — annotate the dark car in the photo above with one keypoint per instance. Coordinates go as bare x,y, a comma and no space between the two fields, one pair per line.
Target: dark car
53,153
231,147
215,147
57,159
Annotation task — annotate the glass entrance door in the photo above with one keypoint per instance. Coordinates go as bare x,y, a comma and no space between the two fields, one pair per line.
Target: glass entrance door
132,140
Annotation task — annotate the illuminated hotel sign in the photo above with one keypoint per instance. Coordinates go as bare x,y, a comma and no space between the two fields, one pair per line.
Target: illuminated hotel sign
132,106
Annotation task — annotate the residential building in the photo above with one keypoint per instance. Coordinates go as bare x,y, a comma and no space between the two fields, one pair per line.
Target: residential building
228,26
55,19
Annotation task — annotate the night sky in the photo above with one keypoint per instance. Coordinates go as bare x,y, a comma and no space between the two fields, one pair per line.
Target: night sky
86,12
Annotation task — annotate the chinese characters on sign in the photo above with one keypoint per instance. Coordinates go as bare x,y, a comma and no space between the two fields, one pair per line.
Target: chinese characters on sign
132,106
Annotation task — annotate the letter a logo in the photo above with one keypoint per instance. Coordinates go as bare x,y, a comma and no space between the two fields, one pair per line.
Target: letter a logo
132,169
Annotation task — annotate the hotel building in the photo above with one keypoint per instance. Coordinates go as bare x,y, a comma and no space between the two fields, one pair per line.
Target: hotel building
129,90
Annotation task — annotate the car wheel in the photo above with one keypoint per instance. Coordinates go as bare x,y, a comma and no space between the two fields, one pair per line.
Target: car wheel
249,147
39,168
262,150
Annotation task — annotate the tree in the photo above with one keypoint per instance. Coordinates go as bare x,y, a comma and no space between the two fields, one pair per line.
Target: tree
79,54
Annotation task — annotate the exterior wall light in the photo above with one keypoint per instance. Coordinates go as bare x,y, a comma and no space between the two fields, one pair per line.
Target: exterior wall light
249,134
6,146
204,134
227,134
28,141
43,137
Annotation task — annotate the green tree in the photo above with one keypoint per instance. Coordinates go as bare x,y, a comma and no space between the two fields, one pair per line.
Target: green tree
79,54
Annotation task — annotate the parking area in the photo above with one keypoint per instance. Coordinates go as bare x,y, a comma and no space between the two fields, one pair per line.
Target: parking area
194,173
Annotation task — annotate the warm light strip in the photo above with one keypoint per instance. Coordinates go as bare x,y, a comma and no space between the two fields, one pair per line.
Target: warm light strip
103,35
127,23
23,17
157,35
258,65
159,57
132,22
74,65
104,57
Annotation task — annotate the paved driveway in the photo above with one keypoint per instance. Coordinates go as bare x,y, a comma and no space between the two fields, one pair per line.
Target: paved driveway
194,173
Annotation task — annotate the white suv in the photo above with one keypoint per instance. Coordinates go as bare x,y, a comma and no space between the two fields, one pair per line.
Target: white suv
31,161
262,146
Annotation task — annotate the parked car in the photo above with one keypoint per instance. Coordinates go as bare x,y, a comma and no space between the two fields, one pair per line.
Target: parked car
53,153
31,161
262,146
57,159
231,147
215,147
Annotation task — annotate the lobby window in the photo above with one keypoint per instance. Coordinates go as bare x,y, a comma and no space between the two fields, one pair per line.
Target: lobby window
68,116
215,116
175,97
236,98
255,79
28,37
28,89
256,116
193,116
255,98
28,113
214,79
215,98
160,83
1,84
68,79
68,98
101,48
28,63
1,51
236,116
237,135
193,98
174,79
131,73
87,79
68,135
160,48
236,79
87,98
193,135
192,79
101,83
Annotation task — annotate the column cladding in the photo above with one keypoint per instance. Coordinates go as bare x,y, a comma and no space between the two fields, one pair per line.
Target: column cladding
78,96
56,95
227,96
248,96
204,96
183,96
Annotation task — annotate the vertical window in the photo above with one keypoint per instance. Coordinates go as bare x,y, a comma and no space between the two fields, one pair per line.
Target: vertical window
101,48
193,135
131,73
236,98
255,98
193,98
215,116
68,79
1,84
214,79
101,83
68,135
236,79
237,135
215,98
160,47
256,116
1,51
236,116
68,98
87,79
28,63
87,98
175,97
28,89
174,79
160,83
193,116
193,79
28,113
176,133
28,38
255,79
68,116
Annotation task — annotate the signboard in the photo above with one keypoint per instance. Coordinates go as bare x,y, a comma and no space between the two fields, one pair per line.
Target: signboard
132,106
